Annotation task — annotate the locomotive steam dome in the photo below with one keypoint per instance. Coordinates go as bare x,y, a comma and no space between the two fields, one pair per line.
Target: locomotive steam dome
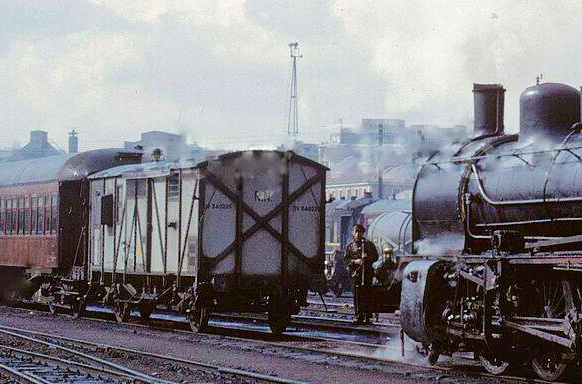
548,110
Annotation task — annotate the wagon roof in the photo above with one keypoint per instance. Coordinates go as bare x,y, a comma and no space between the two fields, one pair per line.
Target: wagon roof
151,169
39,170
292,155
162,168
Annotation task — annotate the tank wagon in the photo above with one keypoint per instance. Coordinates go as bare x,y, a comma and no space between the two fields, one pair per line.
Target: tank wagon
44,214
240,233
498,221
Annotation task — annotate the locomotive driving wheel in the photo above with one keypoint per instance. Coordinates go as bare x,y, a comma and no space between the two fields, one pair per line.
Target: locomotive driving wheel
492,363
555,300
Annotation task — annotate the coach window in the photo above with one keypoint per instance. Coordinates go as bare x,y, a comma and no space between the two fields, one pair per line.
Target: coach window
2,214
40,215
47,215
27,216
14,216
21,216
8,216
55,216
33,208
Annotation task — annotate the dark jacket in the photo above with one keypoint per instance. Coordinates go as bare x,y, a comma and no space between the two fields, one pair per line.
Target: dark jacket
362,274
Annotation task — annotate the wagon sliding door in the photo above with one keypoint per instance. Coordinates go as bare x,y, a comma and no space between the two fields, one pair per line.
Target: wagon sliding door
137,216
180,229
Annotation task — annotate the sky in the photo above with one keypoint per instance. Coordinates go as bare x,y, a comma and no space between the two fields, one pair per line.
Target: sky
219,71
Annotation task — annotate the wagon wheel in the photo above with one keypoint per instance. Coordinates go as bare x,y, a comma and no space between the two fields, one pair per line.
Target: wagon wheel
122,311
555,302
78,307
278,321
145,311
198,318
53,309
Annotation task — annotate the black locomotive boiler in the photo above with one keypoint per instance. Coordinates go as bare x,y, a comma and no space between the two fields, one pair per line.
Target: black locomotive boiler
498,222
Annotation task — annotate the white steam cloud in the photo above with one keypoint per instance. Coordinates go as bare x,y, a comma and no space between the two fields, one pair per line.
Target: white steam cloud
430,52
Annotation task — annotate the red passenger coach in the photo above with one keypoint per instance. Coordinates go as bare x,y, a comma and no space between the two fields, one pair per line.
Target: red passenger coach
43,213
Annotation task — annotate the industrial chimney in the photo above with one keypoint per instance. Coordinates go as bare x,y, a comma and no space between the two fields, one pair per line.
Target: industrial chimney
73,142
488,109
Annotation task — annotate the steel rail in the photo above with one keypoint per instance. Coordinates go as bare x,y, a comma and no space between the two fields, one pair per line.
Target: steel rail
14,332
19,375
329,352
220,369
64,363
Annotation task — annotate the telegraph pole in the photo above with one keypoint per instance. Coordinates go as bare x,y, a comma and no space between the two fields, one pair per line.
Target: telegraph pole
293,118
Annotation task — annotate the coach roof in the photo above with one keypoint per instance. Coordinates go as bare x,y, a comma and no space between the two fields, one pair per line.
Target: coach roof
87,163
39,170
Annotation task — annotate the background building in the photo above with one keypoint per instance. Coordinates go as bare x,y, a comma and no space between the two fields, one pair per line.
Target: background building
380,156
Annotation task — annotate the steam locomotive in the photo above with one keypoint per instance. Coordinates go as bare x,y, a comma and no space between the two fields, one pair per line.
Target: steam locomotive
497,237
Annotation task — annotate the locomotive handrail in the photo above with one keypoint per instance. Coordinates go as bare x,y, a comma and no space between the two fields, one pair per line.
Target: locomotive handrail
518,202
476,158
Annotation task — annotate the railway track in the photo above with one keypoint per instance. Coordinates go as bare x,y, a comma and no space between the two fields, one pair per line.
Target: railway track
22,363
359,351
336,347
30,367
65,343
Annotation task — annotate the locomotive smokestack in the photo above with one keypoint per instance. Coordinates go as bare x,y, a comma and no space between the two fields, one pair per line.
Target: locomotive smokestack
489,100
73,142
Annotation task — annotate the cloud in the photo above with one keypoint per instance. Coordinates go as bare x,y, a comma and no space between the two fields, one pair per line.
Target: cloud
219,71
432,51
216,70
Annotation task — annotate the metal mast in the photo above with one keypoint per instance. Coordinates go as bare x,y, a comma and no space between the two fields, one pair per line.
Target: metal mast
293,118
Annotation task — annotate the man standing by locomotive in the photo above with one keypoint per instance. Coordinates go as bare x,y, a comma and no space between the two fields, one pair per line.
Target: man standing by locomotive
360,255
